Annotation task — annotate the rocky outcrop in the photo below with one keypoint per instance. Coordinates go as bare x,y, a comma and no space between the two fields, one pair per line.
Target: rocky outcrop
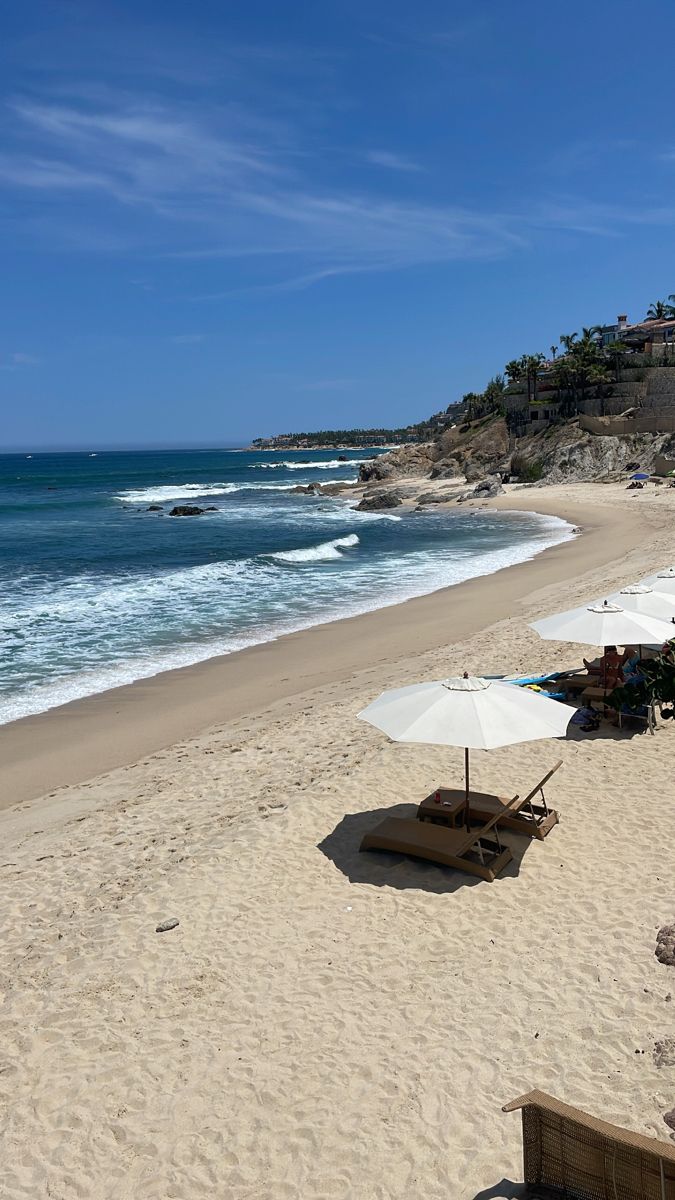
186,510
447,469
334,489
473,453
487,488
558,454
436,497
565,454
373,501
154,508
397,464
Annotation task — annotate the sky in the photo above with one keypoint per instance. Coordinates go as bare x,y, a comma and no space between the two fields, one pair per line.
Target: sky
222,220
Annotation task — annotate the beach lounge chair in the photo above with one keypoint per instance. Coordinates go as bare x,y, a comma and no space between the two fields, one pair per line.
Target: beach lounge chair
466,850
570,1153
523,816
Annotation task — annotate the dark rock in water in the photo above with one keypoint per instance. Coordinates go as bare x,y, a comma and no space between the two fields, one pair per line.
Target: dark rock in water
342,458
212,508
155,508
186,510
307,489
379,500
334,489
165,926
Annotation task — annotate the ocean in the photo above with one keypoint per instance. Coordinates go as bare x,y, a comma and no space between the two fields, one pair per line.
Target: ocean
97,591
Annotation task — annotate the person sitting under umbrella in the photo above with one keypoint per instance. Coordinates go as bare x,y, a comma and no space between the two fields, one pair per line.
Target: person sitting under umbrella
609,666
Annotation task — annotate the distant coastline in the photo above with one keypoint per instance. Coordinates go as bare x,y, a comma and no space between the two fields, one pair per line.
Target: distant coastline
272,444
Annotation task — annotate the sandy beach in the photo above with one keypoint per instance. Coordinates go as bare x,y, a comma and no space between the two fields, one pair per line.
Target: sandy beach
324,1024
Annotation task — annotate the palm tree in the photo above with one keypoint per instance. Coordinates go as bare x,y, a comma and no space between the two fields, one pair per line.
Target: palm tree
533,365
616,353
514,370
474,405
554,351
659,311
493,393
567,340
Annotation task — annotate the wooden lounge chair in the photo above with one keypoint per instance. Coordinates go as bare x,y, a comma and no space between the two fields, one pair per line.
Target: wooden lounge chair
467,850
569,1153
524,816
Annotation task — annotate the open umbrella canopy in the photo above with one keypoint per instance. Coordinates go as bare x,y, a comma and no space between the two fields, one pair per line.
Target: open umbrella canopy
640,475
662,581
641,598
604,624
479,714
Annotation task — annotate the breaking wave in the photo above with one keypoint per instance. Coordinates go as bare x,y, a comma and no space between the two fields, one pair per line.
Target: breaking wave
193,491
333,464
324,552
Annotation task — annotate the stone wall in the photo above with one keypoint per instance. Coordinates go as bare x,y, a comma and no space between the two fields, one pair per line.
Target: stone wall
622,427
660,388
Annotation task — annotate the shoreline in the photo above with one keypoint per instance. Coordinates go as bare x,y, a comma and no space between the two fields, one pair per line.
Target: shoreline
106,730
289,1034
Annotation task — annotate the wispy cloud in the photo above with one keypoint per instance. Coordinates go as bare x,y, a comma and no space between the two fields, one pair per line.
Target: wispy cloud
221,193
586,154
12,362
172,180
395,162
424,39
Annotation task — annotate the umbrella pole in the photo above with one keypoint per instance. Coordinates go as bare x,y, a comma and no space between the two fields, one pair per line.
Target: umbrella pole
466,788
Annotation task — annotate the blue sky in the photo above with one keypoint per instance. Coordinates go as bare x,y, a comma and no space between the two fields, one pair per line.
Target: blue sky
228,219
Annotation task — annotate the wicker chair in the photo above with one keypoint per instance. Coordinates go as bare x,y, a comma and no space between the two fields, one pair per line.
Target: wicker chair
570,1154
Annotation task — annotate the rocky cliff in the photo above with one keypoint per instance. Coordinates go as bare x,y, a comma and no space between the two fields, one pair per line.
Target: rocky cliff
560,453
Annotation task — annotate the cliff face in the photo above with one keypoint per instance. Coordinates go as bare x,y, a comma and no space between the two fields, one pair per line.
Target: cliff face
560,453
399,463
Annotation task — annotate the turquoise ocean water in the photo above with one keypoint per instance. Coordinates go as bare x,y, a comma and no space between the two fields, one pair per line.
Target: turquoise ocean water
96,591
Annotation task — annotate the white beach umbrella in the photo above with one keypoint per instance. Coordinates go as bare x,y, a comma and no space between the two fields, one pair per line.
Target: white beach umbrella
662,581
604,624
641,598
478,714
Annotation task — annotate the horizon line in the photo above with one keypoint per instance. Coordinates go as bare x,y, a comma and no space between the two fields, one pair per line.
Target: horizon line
118,447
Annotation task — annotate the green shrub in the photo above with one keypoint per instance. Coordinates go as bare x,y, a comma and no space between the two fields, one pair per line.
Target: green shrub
528,469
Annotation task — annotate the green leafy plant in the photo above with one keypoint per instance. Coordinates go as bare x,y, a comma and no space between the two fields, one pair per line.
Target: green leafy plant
528,469
657,685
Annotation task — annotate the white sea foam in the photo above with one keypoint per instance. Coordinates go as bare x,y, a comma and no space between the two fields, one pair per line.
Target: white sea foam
324,552
142,625
333,464
192,491
175,491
